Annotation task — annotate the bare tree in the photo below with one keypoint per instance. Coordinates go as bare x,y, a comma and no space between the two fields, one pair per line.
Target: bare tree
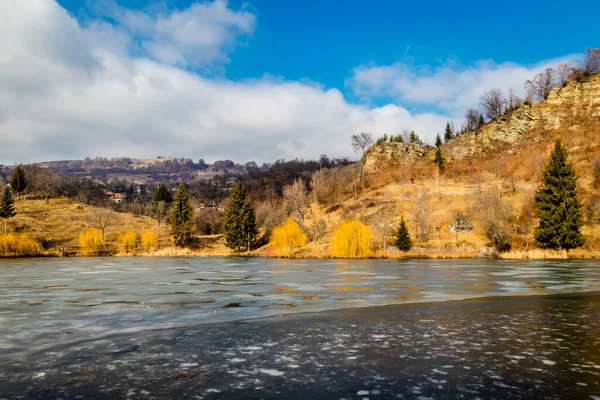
103,218
382,226
492,102
42,181
565,73
362,142
472,119
514,102
591,61
420,219
269,215
542,84
406,135
159,211
295,198
317,231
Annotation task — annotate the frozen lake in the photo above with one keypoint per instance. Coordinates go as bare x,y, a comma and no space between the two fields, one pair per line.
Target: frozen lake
196,328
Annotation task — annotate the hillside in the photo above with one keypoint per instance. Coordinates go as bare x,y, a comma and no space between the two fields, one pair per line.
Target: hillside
57,226
496,169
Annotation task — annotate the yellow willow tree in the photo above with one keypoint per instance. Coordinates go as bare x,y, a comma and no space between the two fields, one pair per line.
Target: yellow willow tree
148,240
90,242
351,239
127,242
288,238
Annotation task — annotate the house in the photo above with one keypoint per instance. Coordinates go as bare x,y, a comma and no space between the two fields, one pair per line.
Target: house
231,181
116,197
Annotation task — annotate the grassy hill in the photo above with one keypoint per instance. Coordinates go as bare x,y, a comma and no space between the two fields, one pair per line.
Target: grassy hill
57,226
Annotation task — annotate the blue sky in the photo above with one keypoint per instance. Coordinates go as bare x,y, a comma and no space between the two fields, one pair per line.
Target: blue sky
324,40
283,78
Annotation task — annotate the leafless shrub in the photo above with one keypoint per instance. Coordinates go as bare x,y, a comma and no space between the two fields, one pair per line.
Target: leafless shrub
209,222
333,185
591,209
526,218
498,217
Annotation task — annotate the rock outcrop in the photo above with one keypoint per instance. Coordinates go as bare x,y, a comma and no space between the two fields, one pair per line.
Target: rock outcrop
380,155
562,109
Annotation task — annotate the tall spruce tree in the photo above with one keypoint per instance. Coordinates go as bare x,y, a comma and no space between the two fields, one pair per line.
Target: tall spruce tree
403,240
7,206
18,181
439,160
438,141
557,205
448,134
181,217
240,220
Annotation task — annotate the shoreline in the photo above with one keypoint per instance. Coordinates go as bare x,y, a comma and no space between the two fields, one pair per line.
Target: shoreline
537,254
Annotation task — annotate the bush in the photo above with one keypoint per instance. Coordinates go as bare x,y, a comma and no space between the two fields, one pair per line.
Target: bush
127,242
89,241
498,235
351,239
287,238
209,222
148,240
12,245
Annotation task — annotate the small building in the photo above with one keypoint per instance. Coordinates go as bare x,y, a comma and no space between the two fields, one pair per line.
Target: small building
231,181
116,197
460,226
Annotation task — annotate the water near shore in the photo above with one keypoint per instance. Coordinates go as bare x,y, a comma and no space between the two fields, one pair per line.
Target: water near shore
192,327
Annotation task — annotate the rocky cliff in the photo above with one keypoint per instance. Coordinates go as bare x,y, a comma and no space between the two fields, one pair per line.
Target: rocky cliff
565,106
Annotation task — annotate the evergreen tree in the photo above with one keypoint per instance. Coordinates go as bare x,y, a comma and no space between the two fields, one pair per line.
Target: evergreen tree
439,160
438,141
7,206
414,139
448,134
481,120
18,182
181,217
162,194
403,240
240,220
557,204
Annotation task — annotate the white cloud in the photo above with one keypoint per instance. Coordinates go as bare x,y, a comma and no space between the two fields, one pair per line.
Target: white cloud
450,87
68,91
195,37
